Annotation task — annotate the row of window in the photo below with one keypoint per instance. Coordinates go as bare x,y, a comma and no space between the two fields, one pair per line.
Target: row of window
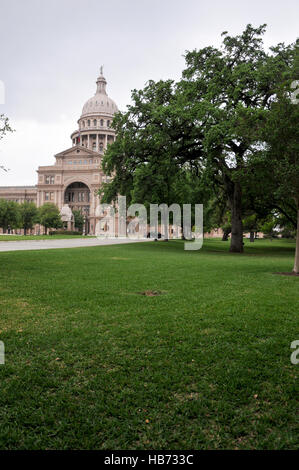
95,122
69,197
82,197
82,162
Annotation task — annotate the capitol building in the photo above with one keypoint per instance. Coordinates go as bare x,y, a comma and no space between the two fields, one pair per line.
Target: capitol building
74,179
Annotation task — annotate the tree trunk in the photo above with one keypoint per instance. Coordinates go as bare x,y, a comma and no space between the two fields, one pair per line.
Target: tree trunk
251,236
236,244
225,235
296,263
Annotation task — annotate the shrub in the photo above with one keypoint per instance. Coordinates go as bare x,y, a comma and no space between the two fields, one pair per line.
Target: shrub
64,232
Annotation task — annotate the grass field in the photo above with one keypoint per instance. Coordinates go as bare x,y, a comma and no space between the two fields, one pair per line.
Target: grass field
92,364
10,238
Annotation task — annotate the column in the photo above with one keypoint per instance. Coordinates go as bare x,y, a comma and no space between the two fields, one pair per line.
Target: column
88,141
97,145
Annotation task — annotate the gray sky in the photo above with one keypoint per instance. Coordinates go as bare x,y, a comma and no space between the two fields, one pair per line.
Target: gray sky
52,51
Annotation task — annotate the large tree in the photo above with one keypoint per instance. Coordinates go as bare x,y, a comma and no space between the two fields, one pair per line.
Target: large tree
207,124
230,90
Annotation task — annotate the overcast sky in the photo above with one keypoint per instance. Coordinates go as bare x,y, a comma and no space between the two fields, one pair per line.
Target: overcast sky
51,53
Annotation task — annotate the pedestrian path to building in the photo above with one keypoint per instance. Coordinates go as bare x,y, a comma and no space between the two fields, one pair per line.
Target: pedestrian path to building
62,243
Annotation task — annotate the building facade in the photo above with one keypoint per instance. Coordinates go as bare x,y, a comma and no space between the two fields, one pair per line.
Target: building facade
76,176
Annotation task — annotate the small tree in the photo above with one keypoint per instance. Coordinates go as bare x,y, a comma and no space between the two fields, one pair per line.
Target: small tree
79,220
49,217
268,228
9,214
250,223
28,215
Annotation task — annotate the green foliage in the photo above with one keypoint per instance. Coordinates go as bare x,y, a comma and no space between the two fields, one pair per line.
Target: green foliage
28,215
9,214
49,216
4,128
207,125
231,90
79,220
250,223
64,232
268,228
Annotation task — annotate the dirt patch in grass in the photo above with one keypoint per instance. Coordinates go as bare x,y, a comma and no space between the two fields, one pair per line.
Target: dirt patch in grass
288,274
151,293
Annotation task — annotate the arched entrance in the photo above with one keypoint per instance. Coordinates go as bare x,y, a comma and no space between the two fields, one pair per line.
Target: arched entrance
77,196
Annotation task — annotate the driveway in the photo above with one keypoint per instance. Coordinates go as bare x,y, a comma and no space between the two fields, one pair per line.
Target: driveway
62,243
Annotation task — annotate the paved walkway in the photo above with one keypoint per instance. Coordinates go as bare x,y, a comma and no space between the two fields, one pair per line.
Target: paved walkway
61,243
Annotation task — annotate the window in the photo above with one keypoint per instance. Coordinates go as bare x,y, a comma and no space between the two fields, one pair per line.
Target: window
50,179
47,196
88,122
102,122
108,123
94,122
51,196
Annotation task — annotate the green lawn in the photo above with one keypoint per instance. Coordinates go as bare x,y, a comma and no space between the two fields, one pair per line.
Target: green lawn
10,238
92,364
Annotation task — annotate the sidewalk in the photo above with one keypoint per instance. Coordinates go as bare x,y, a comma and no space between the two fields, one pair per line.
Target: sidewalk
62,243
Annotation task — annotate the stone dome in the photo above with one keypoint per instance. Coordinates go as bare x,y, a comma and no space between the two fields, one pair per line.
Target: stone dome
100,103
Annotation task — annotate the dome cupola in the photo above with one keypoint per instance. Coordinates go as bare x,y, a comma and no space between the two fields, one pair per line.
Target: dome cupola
100,103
